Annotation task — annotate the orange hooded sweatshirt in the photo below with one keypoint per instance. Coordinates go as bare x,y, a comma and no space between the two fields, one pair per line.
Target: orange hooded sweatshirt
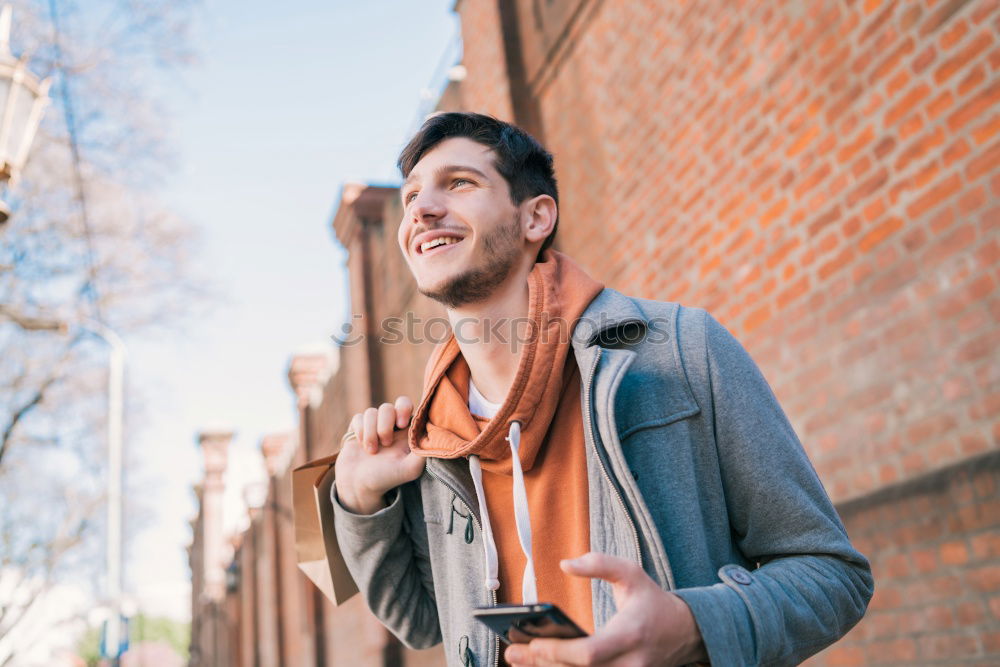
545,399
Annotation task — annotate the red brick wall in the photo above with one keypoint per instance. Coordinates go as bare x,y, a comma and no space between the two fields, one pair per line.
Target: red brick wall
935,548
823,177
483,57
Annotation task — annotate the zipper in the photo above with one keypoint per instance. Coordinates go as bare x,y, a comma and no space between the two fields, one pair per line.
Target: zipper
600,460
475,519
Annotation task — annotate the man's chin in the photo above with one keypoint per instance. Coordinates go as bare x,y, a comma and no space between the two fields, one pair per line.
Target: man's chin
463,290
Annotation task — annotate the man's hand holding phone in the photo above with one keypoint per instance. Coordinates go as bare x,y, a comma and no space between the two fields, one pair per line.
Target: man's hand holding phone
375,457
652,626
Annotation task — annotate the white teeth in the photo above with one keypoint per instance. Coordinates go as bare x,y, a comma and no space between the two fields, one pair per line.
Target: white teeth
441,240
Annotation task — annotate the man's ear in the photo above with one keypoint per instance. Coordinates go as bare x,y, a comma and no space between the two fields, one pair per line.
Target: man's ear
540,214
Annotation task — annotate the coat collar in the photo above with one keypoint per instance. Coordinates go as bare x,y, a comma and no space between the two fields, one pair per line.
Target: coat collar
609,312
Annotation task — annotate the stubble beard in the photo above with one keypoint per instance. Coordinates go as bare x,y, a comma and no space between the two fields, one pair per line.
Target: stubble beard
501,253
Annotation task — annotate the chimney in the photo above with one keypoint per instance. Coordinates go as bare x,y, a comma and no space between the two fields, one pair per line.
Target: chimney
214,446
308,371
274,447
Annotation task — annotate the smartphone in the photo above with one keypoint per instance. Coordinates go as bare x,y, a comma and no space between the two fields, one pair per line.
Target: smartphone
520,623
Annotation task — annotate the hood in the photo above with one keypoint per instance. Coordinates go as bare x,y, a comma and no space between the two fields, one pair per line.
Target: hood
559,291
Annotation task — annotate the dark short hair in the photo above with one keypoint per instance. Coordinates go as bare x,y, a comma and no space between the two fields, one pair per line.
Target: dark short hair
520,159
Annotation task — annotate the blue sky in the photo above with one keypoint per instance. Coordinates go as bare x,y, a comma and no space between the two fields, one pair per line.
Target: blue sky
287,103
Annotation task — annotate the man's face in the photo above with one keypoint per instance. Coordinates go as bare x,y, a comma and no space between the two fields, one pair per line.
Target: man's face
460,233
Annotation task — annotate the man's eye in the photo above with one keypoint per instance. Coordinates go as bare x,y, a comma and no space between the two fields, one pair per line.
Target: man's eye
460,180
409,197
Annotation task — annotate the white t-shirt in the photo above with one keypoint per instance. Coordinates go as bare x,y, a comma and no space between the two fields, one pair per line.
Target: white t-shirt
478,405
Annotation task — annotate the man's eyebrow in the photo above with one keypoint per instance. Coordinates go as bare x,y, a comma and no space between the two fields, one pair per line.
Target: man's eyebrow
447,169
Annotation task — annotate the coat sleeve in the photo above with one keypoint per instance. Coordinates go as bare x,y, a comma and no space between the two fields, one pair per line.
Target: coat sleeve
811,585
386,554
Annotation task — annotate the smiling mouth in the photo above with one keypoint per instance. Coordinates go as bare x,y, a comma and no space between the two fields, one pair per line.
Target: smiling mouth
438,245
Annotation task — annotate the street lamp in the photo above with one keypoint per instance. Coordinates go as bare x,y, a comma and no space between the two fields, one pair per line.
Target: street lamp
23,98
114,639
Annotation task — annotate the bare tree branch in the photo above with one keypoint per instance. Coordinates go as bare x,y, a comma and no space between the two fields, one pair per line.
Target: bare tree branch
39,394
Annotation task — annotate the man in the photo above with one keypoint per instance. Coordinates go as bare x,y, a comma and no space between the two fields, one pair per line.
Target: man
621,458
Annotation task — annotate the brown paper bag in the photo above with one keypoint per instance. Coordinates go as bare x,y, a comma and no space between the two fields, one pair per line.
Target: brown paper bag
316,548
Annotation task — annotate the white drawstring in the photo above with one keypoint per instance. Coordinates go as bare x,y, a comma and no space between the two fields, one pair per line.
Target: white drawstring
492,567
529,587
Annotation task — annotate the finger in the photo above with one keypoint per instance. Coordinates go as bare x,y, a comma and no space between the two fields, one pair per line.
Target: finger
602,566
404,410
595,650
369,437
413,465
519,655
385,422
355,427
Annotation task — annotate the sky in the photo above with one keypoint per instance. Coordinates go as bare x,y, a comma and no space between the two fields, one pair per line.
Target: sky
286,104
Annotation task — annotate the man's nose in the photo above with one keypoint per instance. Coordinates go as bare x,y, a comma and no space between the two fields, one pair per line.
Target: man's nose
426,206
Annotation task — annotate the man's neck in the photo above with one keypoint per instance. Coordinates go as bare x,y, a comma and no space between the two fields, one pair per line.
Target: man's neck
487,333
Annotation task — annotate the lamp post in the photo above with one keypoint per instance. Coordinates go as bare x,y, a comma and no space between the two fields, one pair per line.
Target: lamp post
23,98
116,395
116,384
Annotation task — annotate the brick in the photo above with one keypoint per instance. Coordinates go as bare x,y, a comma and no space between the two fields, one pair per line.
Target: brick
773,213
919,147
781,252
987,130
913,124
840,261
803,141
971,81
757,317
924,175
797,290
874,210
861,166
880,20
975,108
955,152
894,651
972,201
940,104
816,177
914,239
843,655
867,188
935,196
924,560
986,546
897,83
947,647
980,347
983,11
982,164
824,220
984,579
954,553
953,35
907,104
970,613
864,138
924,60
879,233
884,147
949,67
930,427
891,61
941,15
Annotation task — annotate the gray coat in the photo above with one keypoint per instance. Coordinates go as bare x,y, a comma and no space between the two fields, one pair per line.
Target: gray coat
695,473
